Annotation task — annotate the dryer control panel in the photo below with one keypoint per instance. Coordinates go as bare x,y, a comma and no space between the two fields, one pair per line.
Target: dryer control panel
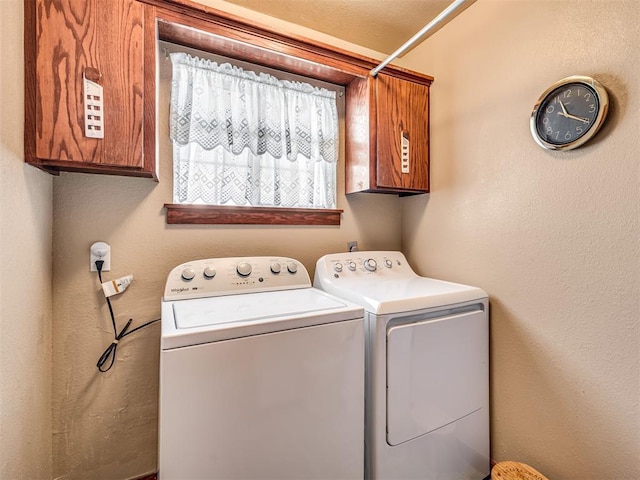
228,276
364,264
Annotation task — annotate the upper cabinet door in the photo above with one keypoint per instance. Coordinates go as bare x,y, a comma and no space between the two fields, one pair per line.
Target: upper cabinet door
104,41
402,109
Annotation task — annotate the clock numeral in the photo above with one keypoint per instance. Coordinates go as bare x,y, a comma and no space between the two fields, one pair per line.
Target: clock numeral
587,96
578,129
567,93
549,130
567,136
545,120
592,108
550,109
557,134
578,93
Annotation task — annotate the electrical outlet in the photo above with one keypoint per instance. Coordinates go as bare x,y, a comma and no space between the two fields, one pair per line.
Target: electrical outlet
100,251
352,246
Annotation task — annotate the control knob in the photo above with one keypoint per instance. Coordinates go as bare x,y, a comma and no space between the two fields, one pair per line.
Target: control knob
275,268
370,264
338,267
209,272
243,269
292,267
351,266
188,274
388,263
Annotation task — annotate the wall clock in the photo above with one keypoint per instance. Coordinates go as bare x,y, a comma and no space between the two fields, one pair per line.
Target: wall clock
569,113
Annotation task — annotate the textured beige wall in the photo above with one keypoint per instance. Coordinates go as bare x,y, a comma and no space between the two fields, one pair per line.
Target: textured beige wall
553,237
25,278
106,424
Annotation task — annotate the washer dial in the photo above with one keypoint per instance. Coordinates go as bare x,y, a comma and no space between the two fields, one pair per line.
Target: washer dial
188,274
244,269
275,268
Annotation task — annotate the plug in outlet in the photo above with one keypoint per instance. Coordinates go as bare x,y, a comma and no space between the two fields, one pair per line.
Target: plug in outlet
100,251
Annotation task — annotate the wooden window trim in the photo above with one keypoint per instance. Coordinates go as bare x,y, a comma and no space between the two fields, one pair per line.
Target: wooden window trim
214,214
190,24
194,25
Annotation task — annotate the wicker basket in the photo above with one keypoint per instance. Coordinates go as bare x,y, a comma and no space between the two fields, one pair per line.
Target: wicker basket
515,471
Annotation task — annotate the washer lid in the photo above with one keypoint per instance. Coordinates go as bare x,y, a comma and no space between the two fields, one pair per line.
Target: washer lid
251,307
203,320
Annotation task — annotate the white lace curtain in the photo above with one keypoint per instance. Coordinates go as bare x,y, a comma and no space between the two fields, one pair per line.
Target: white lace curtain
246,138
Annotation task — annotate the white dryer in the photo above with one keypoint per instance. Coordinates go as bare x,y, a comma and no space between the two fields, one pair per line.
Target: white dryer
427,376
261,375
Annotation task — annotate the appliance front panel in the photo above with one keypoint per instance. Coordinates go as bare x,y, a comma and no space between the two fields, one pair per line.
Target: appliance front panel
437,373
284,405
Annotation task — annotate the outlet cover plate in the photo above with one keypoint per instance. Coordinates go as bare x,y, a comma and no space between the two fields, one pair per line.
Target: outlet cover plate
100,251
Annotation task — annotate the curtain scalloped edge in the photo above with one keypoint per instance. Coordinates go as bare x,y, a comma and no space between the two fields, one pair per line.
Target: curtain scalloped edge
257,154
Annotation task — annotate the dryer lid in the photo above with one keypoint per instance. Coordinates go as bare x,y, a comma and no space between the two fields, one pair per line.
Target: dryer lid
402,294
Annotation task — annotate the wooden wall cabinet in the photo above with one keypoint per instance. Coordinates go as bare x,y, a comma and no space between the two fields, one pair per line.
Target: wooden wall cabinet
380,112
65,39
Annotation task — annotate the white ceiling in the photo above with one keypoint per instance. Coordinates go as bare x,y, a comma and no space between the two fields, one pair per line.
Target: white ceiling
381,25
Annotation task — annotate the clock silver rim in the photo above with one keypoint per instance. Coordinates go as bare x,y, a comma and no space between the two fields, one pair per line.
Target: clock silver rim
603,101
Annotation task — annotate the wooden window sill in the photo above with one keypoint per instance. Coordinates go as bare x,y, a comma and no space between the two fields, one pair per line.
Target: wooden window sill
221,215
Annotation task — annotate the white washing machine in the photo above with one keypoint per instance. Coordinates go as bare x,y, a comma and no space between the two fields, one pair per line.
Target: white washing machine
261,375
427,377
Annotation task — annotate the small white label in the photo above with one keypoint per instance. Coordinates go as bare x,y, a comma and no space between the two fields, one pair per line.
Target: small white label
93,109
119,285
404,154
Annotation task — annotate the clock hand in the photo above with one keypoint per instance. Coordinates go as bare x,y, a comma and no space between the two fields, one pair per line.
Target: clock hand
573,117
563,109
566,114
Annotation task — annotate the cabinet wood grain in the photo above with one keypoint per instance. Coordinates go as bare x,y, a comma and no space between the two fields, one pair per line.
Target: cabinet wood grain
360,131
71,38
379,112
402,108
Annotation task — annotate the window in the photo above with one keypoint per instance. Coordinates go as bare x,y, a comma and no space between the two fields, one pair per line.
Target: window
242,138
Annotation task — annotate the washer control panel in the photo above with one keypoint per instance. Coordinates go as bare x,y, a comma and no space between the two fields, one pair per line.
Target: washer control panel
228,276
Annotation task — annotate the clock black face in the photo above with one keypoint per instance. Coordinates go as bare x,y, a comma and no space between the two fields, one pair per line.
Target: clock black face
567,113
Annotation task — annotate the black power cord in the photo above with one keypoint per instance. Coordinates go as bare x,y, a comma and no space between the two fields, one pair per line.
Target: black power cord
110,352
